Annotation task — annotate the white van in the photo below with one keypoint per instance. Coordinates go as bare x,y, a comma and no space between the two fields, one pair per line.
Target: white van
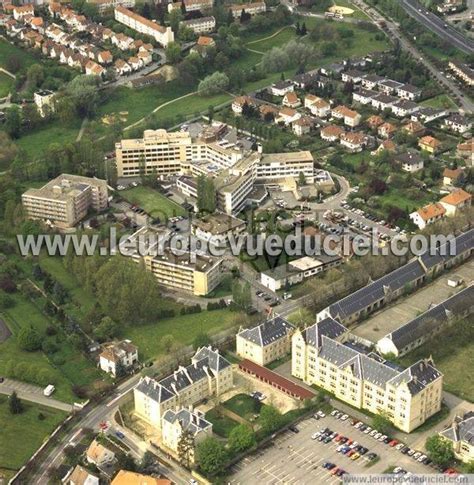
48,390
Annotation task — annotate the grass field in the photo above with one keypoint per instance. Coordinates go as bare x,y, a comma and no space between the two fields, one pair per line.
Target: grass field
243,405
35,142
358,14
221,425
156,204
440,101
265,44
451,350
7,50
184,328
6,84
22,434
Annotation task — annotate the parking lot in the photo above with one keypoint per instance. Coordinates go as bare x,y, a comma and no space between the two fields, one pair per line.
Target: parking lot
295,458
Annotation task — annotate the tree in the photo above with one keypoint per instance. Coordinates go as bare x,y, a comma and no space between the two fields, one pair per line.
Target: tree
175,17
13,121
173,53
213,84
241,295
304,30
14,63
270,419
14,404
301,178
440,450
210,113
29,339
211,456
6,301
206,194
381,423
241,438
185,448
201,340
59,293
106,330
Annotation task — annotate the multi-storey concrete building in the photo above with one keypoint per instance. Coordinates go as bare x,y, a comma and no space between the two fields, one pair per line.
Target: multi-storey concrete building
65,200
200,25
278,166
253,8
266,342
163,35
209,374
323,355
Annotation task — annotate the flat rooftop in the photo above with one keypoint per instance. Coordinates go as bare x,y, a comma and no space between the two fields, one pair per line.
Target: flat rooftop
291,157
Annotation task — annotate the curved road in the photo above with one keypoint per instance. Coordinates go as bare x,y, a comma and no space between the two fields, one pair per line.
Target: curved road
437,25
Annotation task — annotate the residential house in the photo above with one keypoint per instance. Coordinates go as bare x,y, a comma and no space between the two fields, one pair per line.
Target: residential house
404,108
287,116
383,101
121,67
44,100
318,106
364,96
429,144
452,176
374,121
81,476
125,477
350,117
428,114
388,86
175,423
461,435
94,69
122,41
144,57
281,88
458,123
291,100
428,214
371,81
23,11
266,342
331,133
239,103
268,111
409,92
410,161
414,128
462,71
457,200
354,140
135,63
303,125
466,151
99,455
118,357
449,6
308,80
386,130
105,57
352,76
387,145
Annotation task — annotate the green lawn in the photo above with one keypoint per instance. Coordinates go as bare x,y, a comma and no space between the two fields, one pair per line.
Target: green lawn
452,350
156,204
221,425
398,198
243,405
22,434
35,142
440,101
358,14
6,84
184,328
282,38
67,366
7,50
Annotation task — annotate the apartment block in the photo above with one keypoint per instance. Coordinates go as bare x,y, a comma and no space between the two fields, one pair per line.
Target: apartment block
65,200
175,423
163,35
200,25
266,342
209,374
279,166
253,8
324,355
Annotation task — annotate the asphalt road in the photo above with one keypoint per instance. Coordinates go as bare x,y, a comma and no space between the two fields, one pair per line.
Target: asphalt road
437,25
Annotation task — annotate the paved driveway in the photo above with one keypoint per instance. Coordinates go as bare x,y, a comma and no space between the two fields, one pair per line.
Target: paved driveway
32,393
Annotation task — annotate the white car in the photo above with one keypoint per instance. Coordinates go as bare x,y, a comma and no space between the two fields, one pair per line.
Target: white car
316,435
321,414
340,447
355,444
367,430
358,425
377,436
399,446
333,413
421,458
417,455
344,417
410,452
373,432
383,437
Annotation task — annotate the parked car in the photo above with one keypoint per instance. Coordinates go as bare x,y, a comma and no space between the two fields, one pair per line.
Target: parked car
355,456
393,443
358,425
316,435
316,417
344,417
367,430
321,414
372,456
293,428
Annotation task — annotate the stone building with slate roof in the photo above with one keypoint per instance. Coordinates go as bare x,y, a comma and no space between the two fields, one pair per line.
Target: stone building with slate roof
209,374
322,355
422,328
461,434
266,342
175,423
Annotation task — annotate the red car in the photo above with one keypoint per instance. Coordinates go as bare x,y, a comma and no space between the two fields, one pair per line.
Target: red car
352,452
349,442
393,443
334,470
337,438
451,472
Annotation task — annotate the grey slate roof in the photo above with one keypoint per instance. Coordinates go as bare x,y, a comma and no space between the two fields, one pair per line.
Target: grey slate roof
205,362
328,326
462,429
409,88
417,376
410,158
461,302
268,332
376,291
193,422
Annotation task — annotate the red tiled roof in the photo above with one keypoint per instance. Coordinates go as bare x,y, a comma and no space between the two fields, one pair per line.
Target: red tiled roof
276,380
